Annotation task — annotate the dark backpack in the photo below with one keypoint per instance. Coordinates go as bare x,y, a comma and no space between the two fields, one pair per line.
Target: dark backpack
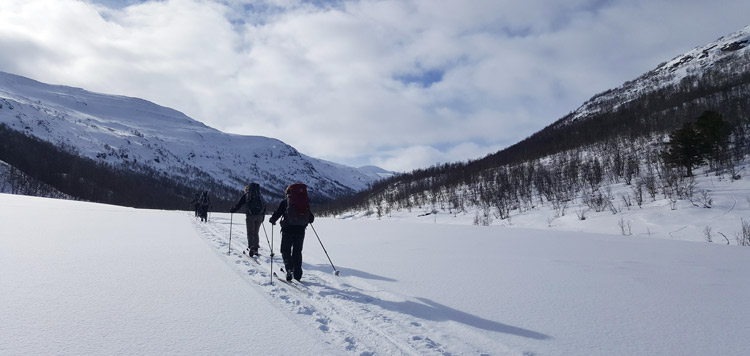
297,205
255,204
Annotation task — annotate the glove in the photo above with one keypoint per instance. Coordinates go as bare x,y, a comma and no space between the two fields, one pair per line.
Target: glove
232,210
272,221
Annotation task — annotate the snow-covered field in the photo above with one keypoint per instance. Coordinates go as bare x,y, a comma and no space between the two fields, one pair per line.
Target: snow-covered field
89,279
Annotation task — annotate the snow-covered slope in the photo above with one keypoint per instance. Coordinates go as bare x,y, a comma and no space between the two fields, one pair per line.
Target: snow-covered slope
694,62
376,171
124,130
91,279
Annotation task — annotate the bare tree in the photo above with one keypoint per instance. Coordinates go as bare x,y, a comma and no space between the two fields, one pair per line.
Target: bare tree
703,199
743,237
638,193
625,227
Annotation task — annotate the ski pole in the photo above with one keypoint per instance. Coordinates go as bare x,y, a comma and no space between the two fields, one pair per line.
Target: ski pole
324,250
272,272
266,233
230,233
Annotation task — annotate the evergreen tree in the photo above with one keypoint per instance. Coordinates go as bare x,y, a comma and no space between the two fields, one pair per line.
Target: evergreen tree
685,148
714,133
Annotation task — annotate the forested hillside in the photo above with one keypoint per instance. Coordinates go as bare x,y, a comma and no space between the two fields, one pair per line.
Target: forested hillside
622,135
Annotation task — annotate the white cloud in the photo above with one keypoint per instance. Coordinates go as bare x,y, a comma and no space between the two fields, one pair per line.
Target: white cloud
405,159
354,81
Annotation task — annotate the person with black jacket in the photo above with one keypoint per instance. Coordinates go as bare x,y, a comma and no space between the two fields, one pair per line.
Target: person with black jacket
292,232
204,203
195,204
252,200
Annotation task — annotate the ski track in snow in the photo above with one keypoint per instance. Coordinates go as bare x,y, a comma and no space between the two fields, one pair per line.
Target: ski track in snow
710,218
343,315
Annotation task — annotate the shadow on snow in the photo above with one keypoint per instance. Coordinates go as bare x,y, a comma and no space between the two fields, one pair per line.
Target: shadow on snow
430,310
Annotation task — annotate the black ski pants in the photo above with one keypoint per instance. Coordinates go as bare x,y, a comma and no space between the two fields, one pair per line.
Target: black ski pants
291,252
204,212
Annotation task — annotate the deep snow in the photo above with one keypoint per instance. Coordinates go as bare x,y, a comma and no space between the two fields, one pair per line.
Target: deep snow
82,278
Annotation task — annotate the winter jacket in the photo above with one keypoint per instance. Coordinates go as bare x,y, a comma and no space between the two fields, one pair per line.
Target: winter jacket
290,229
243,201
204,200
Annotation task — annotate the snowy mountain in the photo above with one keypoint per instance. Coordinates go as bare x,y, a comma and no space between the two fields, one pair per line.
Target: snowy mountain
376,171
131,132
695,62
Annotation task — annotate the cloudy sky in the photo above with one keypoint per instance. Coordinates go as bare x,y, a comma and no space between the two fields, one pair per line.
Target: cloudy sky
401,84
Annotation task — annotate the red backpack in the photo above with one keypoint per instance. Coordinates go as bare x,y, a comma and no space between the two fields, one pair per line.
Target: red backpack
297,205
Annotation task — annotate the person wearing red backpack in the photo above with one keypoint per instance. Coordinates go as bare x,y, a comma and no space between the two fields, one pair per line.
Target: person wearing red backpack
295,215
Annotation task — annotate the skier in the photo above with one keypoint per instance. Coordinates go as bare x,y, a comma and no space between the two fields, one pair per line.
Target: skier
204,203
295,214
256,211
195,203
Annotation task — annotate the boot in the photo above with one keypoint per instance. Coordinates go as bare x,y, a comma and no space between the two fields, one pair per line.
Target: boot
288,275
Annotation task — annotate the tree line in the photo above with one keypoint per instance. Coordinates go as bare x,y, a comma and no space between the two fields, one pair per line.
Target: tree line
652,166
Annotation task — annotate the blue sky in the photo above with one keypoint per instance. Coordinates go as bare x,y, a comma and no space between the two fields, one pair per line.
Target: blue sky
401,84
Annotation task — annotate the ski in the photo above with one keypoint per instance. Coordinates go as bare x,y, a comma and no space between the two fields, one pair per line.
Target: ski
254,258
297,285
299,282
285,281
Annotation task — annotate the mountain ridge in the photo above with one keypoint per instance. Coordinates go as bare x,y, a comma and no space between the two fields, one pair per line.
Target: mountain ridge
666,74
126,131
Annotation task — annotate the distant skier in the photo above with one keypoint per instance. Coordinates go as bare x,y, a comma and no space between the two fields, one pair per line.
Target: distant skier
252,200
295,213
195,203
205,202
